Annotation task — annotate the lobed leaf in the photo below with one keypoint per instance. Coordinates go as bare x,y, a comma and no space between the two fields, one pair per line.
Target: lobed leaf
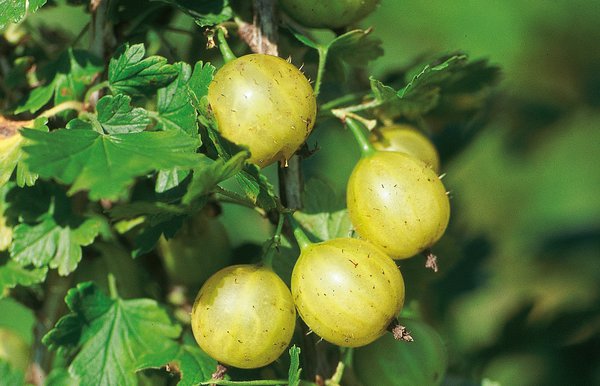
13,11
116,116
444,76
13,274
211,173
131,73
66,78
112,335
174,106
355,48
52,244
11,156
87,159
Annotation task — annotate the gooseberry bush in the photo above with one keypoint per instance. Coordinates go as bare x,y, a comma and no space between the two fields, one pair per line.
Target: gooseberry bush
121,155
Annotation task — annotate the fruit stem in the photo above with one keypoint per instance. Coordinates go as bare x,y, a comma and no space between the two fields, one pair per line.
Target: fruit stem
69,105
272,245
112,286
320,70
93,89
358,130
228,55
301,238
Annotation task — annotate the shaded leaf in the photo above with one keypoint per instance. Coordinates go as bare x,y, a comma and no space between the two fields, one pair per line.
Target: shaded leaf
169,179
444,76
66,78
158,211
211,173
324,214
355,48
13,274
257,187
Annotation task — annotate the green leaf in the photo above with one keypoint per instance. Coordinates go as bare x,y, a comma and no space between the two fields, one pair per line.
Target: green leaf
355,48
37,99
444,76
156,212
324,214
116,115
13,274
198,88
206,13
112,335
130,73
159,219
60,377
66,78
13,11
12,157
24,176
18,318
305,40
5,228
151,232
211,173
89,160
294,372
10,376
169,179
31,204
174,105
193,364
257,187
53,244
10,153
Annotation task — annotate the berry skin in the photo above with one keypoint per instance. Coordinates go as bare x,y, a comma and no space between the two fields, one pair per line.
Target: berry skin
407,139
397,202
264,103
244,316
328,13
347,290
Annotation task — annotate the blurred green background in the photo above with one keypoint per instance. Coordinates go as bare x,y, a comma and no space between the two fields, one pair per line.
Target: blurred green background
517,298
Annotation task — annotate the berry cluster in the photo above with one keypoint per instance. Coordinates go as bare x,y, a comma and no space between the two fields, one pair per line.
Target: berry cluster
349,291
